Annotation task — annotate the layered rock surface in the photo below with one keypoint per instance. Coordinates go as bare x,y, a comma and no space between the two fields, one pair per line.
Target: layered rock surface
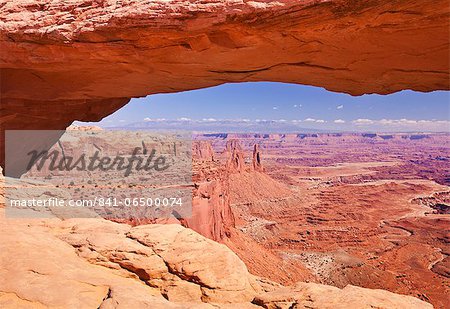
235,156
56,50
203,151
351,208
93,263
256,159
82,60
211,213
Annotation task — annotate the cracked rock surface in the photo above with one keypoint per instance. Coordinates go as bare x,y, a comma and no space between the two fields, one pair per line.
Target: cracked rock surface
93,263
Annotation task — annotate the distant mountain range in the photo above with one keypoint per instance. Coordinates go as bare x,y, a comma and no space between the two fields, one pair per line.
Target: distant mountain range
217,126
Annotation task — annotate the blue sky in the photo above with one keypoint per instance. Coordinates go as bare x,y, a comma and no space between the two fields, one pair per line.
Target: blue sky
311,106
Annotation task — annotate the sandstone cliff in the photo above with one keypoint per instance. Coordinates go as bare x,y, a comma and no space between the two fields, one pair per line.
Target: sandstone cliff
202,151
256,159
235,157
81,60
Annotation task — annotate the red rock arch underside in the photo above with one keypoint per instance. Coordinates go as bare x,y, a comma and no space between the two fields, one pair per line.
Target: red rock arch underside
85,59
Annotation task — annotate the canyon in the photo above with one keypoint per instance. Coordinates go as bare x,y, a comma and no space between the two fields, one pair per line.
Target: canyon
350,218
293,208
83,60
343,208
278,220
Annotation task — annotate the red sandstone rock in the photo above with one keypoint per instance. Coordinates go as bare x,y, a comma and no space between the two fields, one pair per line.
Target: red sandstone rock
235,156
256,162
321,296
95,263
211,213
203,151
353,209
63,61
385,244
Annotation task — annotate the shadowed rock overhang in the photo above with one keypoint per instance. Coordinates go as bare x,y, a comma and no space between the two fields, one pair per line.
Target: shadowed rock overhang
82,60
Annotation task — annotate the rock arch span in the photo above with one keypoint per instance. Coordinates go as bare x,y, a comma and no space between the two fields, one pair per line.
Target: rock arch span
85,59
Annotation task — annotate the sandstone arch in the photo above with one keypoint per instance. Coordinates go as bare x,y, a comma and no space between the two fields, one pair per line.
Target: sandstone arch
85,59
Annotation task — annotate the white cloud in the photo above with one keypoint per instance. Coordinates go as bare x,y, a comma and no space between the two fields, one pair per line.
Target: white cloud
386,125
314,120
310,120
340,107
386,121
339,121
154,120
362,121
405,124
407,121
122,120
397,121
297,105
275,107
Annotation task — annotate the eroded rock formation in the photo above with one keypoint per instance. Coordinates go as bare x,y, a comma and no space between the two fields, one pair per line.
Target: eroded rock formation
235,156
211,213
114,265
82,60
256,159
203,151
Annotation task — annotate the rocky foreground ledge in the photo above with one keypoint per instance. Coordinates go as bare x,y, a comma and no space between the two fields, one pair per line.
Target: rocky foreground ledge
94,263
62,61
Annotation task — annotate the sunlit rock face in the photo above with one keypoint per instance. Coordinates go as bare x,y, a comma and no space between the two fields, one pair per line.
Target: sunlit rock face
235,156
92,263
203,151
256,159
82,60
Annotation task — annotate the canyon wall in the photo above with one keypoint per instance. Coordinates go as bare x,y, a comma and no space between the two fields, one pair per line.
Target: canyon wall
82,60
